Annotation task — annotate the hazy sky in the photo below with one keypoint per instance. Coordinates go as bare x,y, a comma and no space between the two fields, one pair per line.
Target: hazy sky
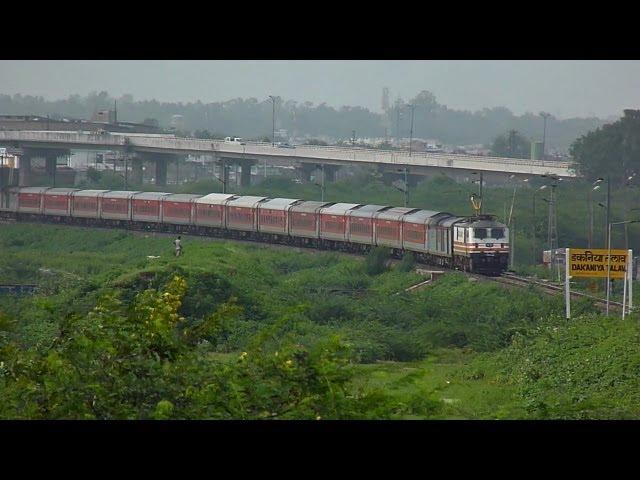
564,88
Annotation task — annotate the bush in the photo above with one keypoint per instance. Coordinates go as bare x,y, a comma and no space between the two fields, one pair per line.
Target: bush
407,263
376,261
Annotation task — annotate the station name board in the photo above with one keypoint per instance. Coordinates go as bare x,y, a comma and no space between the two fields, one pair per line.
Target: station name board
594,262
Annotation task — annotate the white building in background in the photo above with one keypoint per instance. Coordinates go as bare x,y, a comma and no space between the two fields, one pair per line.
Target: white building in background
8,160
177,122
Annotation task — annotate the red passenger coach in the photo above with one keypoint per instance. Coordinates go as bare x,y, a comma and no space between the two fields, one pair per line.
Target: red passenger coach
242,213
388,226
333,221
30,199
303,219
360,223
272,215
146,206
57,201
178,208
210,210
86,203
115,205
414,230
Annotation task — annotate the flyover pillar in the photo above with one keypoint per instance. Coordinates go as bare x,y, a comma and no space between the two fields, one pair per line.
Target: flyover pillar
161,172
330,172
136,171
51,163
24,173
245,173
223,177
304,171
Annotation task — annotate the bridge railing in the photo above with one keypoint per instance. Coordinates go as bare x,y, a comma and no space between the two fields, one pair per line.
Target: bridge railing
351,154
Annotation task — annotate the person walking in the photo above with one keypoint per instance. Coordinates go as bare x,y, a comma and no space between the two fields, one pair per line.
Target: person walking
178,243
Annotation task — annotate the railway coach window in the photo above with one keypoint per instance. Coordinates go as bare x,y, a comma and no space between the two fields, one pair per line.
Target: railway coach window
480,233
497,232
298,221
361,228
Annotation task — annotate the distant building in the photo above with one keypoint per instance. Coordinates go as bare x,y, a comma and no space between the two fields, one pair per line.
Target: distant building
385,99
104,116
42,122
177,122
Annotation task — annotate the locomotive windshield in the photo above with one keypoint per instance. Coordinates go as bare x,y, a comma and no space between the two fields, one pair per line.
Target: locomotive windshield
480,233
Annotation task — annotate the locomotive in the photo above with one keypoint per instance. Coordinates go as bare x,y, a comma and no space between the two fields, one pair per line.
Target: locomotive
475,243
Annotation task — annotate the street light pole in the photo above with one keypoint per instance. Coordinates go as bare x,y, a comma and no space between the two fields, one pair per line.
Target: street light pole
397,124
413,107
609,257
273,121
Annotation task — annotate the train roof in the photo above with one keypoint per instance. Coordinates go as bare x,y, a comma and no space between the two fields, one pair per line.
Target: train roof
367,210
279,203
309,206
439,218
395,213
216,198
120,194
340,208
447,222
482,221
89,193
181,197
421,216
33,189
58,191
248,201
151,195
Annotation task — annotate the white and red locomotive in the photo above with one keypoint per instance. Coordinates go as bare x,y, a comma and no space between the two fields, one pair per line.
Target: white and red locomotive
476,244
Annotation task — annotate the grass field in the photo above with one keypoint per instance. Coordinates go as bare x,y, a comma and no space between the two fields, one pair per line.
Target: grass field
454,349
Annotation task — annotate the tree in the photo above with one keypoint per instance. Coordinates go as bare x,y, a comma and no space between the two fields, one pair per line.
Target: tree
613,149
512,144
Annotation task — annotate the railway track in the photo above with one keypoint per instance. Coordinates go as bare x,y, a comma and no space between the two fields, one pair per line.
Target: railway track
511,279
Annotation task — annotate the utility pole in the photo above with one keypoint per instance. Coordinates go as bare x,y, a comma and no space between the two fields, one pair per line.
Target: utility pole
411,129
552,227
353,137
406,187
512,230
535,230
273,121
397,124
481,193
608,202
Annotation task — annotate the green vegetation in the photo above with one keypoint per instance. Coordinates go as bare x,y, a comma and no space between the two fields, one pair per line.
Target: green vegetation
123,329
613,149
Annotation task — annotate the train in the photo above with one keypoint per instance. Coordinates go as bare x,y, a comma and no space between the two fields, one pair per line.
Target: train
477,243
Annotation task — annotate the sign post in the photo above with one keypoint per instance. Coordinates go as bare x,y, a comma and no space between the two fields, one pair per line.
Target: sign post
567,286
599,263
630,270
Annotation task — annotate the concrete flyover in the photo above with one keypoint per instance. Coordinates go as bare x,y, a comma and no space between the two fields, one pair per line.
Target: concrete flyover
418,163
